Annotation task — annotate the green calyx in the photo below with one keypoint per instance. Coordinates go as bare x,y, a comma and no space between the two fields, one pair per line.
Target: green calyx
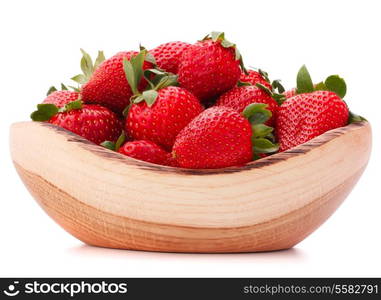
220,37
114,146
354,118
304,82
333,83
53,89
133,69
257,113
262,135
157,79
275,84
148,56
88,67
46,111
63,88
279,98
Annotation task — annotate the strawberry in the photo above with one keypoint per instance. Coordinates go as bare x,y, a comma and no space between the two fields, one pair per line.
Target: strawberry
221,137
140,149
61,98
254,77
312,111
168,55
305,116
105,83
145,150
210,67
93,122
241,96
158,114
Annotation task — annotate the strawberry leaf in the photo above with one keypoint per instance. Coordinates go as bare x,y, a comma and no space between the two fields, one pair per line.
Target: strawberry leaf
320,86
243,83
256,156
63,87
336,84
264,88
133,69
353,118
271,137
120,141
169,80
87,66
261,130
109,145
75,89
127,109
159,79
138,99
77,104
264,74
217,35
276,85
80,78
262,145
279,98
150,97
51,90
303,81
44,112
100,58
257,113
150,58
131,78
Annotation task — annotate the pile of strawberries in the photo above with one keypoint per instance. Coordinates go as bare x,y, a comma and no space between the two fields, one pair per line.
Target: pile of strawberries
193,106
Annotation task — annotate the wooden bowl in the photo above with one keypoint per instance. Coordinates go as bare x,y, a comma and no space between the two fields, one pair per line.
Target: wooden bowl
106,199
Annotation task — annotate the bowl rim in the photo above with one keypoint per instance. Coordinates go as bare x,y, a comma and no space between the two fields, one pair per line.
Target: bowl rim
266,161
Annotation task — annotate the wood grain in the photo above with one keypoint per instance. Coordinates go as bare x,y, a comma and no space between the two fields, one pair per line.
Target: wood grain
109,200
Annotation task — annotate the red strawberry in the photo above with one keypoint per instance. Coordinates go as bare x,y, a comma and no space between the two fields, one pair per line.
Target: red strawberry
311,112
61,98
168,55
160,122
241,96
93,122
305,116
159,114
145,150
254,77
221,137
106,84
210,67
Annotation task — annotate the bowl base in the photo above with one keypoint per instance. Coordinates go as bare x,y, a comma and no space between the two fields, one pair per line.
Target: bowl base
96,227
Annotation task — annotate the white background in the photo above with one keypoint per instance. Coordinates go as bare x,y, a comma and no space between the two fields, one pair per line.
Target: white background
40,43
